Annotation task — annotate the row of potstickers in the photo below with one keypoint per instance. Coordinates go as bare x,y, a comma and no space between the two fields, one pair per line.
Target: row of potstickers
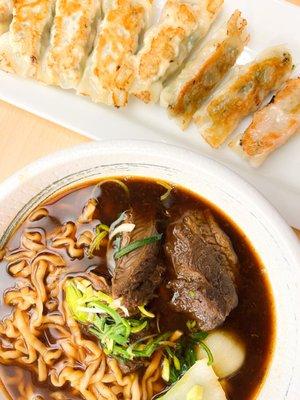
103,49
110,50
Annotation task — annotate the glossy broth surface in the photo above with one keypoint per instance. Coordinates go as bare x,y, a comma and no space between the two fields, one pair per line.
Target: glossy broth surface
252,320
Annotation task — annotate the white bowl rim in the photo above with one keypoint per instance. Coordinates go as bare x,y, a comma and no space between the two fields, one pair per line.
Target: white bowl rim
273,223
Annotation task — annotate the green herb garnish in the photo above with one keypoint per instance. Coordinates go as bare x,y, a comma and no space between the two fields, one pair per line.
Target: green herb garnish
191,324
165,371
104,318
183,356
145,312
100,233
100,313
135,245
73,297
208,352
166,186
103,227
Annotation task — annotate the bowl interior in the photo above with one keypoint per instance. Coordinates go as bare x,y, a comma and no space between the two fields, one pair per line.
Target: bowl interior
266,231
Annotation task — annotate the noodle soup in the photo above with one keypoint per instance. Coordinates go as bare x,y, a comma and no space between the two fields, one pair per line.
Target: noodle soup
109,296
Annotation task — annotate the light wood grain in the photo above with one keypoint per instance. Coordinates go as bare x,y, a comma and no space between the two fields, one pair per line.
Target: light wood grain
297,2
25,137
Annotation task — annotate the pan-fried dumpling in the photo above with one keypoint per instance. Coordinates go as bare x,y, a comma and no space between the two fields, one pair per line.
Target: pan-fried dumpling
272,126
71,39
21,47
6,7
168,43
242,94
117,39
204,70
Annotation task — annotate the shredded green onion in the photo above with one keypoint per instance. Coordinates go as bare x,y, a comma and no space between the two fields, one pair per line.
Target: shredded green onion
137,244
139,328
103,317
82,285
101,232
166,186
208,352
145,312
198,336
191,324
183,356
151,346
104,227
165,373
73,294
176,363
99,311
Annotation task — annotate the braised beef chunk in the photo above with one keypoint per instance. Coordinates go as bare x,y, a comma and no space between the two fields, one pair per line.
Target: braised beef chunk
138,273
98,282
205,267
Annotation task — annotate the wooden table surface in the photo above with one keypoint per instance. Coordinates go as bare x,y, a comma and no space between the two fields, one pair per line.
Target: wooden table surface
25,137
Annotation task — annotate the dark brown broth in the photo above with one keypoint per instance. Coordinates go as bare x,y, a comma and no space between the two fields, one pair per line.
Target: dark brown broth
252,320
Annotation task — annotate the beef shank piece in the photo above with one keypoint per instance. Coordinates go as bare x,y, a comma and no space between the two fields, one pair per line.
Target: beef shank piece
138,273
99,283
205,268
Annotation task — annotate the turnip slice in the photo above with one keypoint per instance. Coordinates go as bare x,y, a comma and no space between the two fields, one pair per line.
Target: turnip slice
228,351
200,374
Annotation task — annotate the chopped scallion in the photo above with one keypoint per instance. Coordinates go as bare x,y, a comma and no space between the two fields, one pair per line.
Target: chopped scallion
191,324
176,363
99,236
103,227
104,318
184,356
137,244
139,328
98,310
208,352
166,186
165,372
145,312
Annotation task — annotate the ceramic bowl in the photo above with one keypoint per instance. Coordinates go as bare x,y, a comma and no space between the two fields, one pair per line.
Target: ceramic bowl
268,233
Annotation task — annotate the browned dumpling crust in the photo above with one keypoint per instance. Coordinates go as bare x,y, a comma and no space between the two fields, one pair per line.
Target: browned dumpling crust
272,126
5,14
168,43
243,94
117,39
207,67
71,40
22,45
106,50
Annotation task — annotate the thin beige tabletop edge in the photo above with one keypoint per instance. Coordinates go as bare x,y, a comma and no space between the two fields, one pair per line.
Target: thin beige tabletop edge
25,137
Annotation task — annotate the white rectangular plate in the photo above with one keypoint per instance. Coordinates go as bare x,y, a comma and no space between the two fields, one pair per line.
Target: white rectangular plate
271,22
